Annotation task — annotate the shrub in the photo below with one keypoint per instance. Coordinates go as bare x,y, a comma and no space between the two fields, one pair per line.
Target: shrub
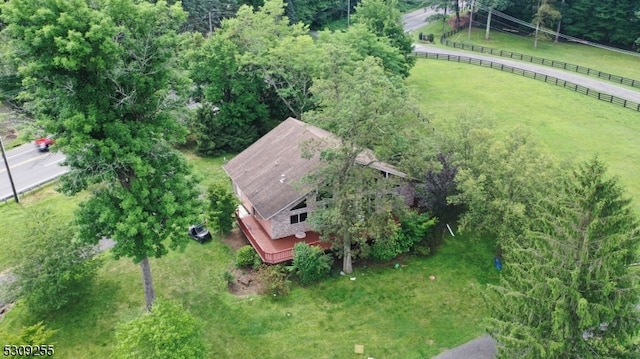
246,256
310,263
413,229
274,280
228,277
168,331
222,205
430,37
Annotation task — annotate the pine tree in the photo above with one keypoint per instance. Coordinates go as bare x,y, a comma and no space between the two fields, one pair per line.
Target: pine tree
568,290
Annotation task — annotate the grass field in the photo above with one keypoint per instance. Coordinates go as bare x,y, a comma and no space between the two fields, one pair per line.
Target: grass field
394,313
570,125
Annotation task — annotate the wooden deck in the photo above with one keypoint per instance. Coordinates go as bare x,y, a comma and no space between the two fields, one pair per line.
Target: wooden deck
274,251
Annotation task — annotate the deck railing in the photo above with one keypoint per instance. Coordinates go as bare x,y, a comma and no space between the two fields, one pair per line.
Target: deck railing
269,258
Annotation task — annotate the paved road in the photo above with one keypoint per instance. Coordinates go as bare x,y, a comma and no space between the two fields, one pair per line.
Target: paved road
417,19
29,168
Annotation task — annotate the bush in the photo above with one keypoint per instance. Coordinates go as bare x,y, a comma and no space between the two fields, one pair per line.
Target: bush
53,268
430,37
246,257
222,205
168,331
274,279
413,229
228,277
310,263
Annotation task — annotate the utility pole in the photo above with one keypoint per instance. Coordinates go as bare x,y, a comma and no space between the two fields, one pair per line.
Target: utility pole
470,20
348,12
6,163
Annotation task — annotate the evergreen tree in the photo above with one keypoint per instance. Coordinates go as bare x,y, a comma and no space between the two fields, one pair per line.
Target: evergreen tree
568,290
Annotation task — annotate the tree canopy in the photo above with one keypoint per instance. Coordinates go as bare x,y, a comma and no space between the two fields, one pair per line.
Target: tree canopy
101,77
568,290
366,110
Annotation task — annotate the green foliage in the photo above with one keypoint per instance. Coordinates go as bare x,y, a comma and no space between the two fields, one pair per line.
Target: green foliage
222,206
500,180
36,334
412,230
233,111
383,18
228,277
274,279
102,79
366,110
607,21
53,268
356,43
168,331
206,15
310,263
148,215
575,262
246,256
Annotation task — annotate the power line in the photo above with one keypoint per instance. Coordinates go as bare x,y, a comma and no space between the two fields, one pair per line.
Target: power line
551,32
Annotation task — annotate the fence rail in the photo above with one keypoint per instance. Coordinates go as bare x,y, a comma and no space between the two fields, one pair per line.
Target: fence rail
534,75
538,60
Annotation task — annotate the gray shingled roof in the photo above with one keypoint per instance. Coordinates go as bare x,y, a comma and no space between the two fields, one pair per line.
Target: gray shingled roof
258,170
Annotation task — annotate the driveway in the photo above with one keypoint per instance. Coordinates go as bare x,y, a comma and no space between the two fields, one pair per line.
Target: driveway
481,348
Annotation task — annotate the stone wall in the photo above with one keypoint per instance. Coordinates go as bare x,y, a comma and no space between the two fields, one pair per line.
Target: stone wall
281,223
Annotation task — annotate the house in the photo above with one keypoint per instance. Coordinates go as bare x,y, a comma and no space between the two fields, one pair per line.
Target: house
274,204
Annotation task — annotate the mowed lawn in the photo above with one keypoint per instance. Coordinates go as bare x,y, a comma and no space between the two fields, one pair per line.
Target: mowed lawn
394,313
570,125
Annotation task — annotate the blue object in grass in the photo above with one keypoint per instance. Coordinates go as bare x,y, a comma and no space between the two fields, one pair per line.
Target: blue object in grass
498,263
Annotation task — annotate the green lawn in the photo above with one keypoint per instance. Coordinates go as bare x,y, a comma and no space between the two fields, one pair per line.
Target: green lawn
570,125
599,59
394,313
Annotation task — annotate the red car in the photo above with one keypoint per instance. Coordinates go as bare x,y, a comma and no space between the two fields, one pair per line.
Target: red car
43,143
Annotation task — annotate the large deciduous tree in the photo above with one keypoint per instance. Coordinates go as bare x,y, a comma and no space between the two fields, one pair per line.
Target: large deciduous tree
568,290
366,110
500,180
383,18
101,77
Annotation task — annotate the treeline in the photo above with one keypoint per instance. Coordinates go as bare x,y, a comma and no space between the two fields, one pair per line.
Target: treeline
609,22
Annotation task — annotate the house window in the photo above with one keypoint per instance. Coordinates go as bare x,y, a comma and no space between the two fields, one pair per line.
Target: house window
298,218
300,205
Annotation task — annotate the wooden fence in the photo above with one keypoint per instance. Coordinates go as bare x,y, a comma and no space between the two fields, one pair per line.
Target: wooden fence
536,76
538,60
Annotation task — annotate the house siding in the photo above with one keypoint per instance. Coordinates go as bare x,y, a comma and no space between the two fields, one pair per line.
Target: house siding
281,223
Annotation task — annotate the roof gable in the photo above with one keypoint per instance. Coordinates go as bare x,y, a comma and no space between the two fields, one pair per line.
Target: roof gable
269,171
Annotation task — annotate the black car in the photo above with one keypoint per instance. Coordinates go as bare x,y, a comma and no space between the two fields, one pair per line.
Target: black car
199,233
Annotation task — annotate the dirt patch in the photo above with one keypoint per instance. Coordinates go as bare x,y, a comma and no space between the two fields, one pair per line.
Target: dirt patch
245,280
235,239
